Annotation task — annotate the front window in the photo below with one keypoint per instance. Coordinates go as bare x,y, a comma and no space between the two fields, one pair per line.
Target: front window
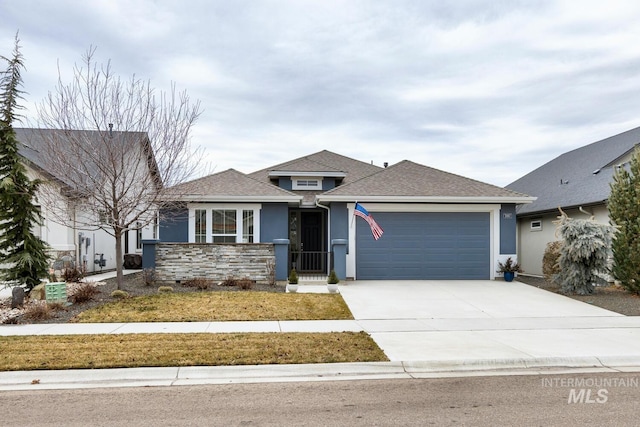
247,226
224,223
201,226
224,226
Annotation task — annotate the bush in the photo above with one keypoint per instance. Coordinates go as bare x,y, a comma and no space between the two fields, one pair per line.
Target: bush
165,289
229,281
83,293
333,278
199,282
584,254
72,274
245,284
293,277
119,294
38,311
149,276
550,259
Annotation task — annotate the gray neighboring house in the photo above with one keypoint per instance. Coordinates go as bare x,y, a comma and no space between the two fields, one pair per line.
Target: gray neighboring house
437,225
578,182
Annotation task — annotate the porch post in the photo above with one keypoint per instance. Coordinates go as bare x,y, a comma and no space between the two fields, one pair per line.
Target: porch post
282,258
339,248
149,253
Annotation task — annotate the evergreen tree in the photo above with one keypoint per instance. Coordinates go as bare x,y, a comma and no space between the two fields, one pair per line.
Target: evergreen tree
584,254
22,253
624,212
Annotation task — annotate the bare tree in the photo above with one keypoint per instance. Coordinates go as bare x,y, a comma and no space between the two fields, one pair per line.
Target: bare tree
114,145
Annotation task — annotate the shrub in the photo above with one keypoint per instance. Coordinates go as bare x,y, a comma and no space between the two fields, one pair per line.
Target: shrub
550,259
293,277
333,278
245,284
271,272
624,212
584,254
149,276
119,294
72,274
83,293
38,311
229,281
199,282
165,289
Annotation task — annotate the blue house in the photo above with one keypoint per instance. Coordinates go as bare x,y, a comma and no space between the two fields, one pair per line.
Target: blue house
437,225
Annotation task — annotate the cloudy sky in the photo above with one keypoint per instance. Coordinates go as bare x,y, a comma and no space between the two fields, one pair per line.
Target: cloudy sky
485,89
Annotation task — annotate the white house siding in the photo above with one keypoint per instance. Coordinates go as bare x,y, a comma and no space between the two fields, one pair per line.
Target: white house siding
532,243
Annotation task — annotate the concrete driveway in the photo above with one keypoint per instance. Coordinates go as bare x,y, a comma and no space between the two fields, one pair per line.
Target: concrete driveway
480,322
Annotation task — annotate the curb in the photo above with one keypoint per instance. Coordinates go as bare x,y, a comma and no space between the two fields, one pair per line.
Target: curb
202,375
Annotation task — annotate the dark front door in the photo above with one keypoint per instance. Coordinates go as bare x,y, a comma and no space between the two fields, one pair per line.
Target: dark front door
308,242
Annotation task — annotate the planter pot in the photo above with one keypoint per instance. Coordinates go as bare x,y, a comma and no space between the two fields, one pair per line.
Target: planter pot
333,288
292,287
508,276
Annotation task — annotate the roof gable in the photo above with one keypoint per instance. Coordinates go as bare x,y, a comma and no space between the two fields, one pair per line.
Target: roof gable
579,177
322,161
411,180
32,142
229,185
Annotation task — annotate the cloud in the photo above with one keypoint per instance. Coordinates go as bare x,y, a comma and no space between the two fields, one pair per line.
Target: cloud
485,89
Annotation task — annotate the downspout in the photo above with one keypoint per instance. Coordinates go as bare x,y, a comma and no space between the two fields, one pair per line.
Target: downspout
328,232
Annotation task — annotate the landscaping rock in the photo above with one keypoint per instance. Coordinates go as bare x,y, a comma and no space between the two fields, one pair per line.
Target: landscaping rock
17,297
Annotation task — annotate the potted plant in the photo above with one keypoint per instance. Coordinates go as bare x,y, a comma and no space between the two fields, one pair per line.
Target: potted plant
332,282
292,286
508,269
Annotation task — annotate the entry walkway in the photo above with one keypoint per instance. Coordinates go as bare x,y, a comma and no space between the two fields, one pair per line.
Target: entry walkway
426,329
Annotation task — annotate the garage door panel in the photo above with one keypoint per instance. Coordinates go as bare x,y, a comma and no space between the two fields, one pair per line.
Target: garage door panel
425,245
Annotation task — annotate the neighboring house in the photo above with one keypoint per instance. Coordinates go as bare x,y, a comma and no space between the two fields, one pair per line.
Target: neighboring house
578,182
69,243
436,225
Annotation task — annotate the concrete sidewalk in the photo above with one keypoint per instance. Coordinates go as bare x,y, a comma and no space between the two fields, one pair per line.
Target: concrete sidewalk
426,329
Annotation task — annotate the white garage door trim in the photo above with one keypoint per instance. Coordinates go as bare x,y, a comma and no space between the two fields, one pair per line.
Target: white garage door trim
494,226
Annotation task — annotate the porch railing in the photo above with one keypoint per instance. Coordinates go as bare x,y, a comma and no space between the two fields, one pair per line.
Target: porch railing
311,262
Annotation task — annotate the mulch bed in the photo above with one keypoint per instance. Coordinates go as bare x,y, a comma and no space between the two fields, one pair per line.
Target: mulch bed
134,286
612,297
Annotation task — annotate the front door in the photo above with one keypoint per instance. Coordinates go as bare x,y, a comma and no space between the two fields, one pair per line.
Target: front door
306,233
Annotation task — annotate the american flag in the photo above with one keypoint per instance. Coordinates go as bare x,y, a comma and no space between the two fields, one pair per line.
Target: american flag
376,230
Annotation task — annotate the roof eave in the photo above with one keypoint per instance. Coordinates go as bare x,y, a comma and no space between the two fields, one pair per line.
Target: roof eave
234,199
326,174
427,199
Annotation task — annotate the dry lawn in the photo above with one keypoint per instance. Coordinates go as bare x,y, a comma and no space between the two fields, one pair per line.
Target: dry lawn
220,306
137,350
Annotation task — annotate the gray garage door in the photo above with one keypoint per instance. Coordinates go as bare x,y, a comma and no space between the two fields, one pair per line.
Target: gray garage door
424,245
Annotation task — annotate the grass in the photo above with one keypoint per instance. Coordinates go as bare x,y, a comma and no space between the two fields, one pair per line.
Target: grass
138,350
220,306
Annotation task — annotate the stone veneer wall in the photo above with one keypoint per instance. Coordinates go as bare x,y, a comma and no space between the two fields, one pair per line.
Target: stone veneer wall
184,261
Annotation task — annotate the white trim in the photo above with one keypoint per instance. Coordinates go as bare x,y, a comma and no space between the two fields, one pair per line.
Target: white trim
210,207
325,198
536,227
295,183
308,174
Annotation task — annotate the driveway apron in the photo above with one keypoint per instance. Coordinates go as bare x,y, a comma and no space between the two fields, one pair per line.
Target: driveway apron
482,321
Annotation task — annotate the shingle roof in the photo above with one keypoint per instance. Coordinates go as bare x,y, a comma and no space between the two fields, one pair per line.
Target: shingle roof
33,140
230,185
411,180
322,161
570,180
